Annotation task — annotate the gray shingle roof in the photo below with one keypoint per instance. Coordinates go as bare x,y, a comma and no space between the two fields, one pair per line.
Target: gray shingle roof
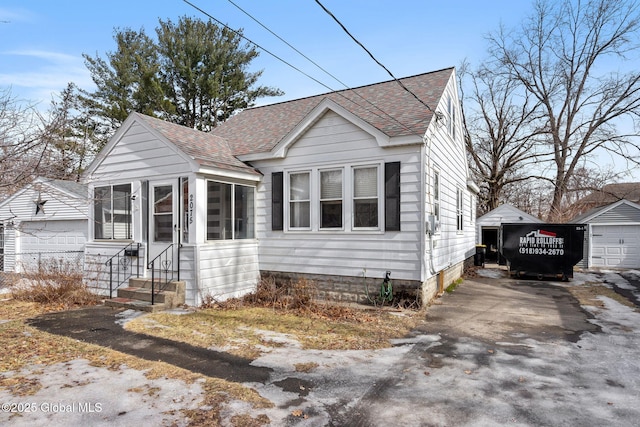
205,148
72,187
387,106
609,194
259,129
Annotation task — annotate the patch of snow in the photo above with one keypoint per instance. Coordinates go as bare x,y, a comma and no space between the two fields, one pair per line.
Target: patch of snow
492,273
77,393
126,316
583,277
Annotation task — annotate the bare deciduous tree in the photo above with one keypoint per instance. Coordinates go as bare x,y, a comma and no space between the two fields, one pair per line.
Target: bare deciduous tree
559,57
21,149
501,123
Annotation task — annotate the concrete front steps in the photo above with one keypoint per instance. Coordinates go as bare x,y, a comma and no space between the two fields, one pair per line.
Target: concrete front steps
138,296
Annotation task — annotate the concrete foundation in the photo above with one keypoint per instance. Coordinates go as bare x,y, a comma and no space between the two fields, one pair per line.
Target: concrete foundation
351,289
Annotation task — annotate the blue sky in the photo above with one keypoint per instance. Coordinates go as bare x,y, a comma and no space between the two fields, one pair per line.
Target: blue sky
42,42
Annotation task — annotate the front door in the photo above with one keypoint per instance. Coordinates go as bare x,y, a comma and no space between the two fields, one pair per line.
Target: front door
163,226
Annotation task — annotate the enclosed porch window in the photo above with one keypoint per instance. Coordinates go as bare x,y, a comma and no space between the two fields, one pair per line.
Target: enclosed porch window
112,212
230,211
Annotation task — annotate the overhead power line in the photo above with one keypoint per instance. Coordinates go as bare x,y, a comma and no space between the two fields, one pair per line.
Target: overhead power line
371,55
294,67
322,69
238,33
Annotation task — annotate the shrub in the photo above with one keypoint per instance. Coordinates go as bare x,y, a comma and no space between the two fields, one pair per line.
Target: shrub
53,282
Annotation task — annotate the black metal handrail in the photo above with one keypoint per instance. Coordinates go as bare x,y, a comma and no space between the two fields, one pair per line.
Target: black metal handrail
123,264
163,263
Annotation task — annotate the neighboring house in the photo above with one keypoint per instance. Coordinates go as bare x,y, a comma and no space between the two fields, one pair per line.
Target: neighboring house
47,218
609,194
613,236
488,227
338,188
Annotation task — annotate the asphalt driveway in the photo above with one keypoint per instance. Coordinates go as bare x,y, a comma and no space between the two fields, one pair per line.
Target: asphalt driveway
496,351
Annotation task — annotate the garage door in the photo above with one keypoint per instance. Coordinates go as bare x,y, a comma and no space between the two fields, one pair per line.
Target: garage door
616,246
53,236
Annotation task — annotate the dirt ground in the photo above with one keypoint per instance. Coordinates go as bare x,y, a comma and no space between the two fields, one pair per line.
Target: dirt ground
495,351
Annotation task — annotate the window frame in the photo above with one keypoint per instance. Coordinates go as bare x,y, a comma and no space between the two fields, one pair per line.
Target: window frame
459,210
437,200
289,201
347,199
232,191
379,197
128,212
331,200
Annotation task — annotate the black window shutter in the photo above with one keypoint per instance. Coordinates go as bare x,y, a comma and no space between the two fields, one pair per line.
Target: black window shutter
277,201
392,196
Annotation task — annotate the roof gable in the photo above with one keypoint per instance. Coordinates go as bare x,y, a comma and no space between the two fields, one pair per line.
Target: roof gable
603,210
199,149
71,189
386,107
506,213
281,148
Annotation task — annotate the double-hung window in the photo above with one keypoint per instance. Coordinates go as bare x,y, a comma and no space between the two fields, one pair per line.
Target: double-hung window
112,212
331,198
365,197
230,211
299,200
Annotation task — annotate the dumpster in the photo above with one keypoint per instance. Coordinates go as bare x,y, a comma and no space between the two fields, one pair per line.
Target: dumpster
542,250
479,257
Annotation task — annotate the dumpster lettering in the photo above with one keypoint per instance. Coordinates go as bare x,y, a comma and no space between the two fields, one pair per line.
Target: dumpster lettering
541,242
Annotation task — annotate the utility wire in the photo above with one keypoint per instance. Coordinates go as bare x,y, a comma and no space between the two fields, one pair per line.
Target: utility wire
256,44
296,68
321,68
287,43
371,55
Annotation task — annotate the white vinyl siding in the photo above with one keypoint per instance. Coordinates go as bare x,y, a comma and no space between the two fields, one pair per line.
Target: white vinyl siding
448,166
226,269
140,154
335,143
62,226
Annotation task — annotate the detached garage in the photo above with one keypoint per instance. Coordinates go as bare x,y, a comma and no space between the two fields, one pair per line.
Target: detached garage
613,236
46,219
488,226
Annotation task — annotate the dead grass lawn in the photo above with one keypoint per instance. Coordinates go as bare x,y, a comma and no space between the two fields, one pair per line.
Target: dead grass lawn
25,346
241,331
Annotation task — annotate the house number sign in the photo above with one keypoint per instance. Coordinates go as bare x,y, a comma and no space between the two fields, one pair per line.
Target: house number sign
191,204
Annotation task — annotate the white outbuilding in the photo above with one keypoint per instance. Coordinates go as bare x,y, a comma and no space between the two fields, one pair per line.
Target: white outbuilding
488,227
47,218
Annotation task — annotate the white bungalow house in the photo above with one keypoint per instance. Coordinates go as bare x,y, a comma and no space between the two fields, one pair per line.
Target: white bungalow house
46,219
340,188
